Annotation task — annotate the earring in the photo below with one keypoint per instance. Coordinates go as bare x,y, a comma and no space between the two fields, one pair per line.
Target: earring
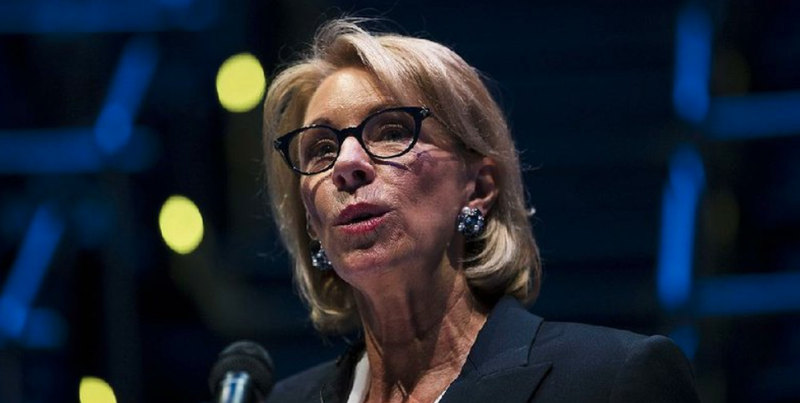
470,222
318,257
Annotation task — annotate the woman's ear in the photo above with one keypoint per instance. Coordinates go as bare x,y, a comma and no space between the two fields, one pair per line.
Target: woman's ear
484,177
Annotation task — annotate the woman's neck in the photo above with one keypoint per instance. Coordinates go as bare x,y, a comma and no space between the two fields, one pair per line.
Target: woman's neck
418,338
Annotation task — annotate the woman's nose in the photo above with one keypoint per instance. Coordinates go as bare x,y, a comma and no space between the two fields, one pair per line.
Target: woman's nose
353,167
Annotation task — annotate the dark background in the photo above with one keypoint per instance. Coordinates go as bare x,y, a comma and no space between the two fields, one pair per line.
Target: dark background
660,141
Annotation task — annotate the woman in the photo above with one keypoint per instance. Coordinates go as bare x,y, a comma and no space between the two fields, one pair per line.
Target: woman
397,190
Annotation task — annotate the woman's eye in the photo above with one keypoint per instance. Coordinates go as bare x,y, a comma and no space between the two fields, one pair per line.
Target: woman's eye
321,149
317,152
394,133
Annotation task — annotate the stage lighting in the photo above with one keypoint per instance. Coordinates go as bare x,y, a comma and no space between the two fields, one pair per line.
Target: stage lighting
240,83
96,390
181,224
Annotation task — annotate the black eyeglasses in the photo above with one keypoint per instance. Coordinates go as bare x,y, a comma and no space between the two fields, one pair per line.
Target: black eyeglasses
385,134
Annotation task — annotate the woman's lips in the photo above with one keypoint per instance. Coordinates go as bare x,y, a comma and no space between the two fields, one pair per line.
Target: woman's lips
360,218
361,227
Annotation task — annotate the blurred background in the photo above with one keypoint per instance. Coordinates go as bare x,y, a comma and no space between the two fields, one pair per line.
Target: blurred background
661,141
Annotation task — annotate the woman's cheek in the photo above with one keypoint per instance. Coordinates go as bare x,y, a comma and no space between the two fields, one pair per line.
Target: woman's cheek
312,212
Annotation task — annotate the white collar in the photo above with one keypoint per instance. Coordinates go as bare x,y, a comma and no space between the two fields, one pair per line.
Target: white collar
358,394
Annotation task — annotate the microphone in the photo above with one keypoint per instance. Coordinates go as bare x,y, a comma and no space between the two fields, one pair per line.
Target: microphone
243,373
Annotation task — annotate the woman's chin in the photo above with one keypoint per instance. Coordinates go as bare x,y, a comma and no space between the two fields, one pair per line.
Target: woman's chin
365,264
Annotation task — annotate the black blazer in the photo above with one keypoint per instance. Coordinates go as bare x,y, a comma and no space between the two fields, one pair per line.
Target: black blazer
519,357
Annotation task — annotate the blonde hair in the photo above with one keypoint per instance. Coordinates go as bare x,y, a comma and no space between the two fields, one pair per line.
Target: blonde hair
504,260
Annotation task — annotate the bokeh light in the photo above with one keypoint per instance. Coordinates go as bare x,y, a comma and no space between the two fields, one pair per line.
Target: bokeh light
240,83
181,224
96,390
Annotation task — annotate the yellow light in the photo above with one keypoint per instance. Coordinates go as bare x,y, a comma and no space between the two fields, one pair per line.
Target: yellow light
181,224
96,390
240,83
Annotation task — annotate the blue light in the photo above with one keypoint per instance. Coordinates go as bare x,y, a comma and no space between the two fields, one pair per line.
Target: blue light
31,152
176,3
28,270
13,316
681,196
76,150
748,294
134,72
755,115
41,151
46,329
687,339
693,36
48,16
113,128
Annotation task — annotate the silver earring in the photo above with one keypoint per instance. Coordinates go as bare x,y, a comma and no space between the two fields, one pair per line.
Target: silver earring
470,222
318,257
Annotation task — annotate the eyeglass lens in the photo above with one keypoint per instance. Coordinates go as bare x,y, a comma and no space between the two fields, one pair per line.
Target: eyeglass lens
384,135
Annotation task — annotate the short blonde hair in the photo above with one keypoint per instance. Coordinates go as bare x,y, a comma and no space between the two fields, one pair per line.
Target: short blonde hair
503,261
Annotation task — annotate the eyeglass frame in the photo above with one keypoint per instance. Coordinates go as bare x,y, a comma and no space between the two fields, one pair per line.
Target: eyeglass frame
419,113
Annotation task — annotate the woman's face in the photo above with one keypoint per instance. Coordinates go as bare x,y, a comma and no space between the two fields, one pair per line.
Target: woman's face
377,217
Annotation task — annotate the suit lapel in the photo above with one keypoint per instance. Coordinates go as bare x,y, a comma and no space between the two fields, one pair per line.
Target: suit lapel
336,388
498,366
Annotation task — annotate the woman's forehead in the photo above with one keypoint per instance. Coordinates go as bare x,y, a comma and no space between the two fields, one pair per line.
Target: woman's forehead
346,97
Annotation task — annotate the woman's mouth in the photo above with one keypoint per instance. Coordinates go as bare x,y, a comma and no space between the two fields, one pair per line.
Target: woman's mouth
360,218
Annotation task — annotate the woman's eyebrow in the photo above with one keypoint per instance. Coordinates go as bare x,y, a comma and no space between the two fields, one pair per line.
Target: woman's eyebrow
319,121
323,120
380,107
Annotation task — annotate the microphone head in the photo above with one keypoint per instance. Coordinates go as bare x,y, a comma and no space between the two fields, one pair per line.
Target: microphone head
244,356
